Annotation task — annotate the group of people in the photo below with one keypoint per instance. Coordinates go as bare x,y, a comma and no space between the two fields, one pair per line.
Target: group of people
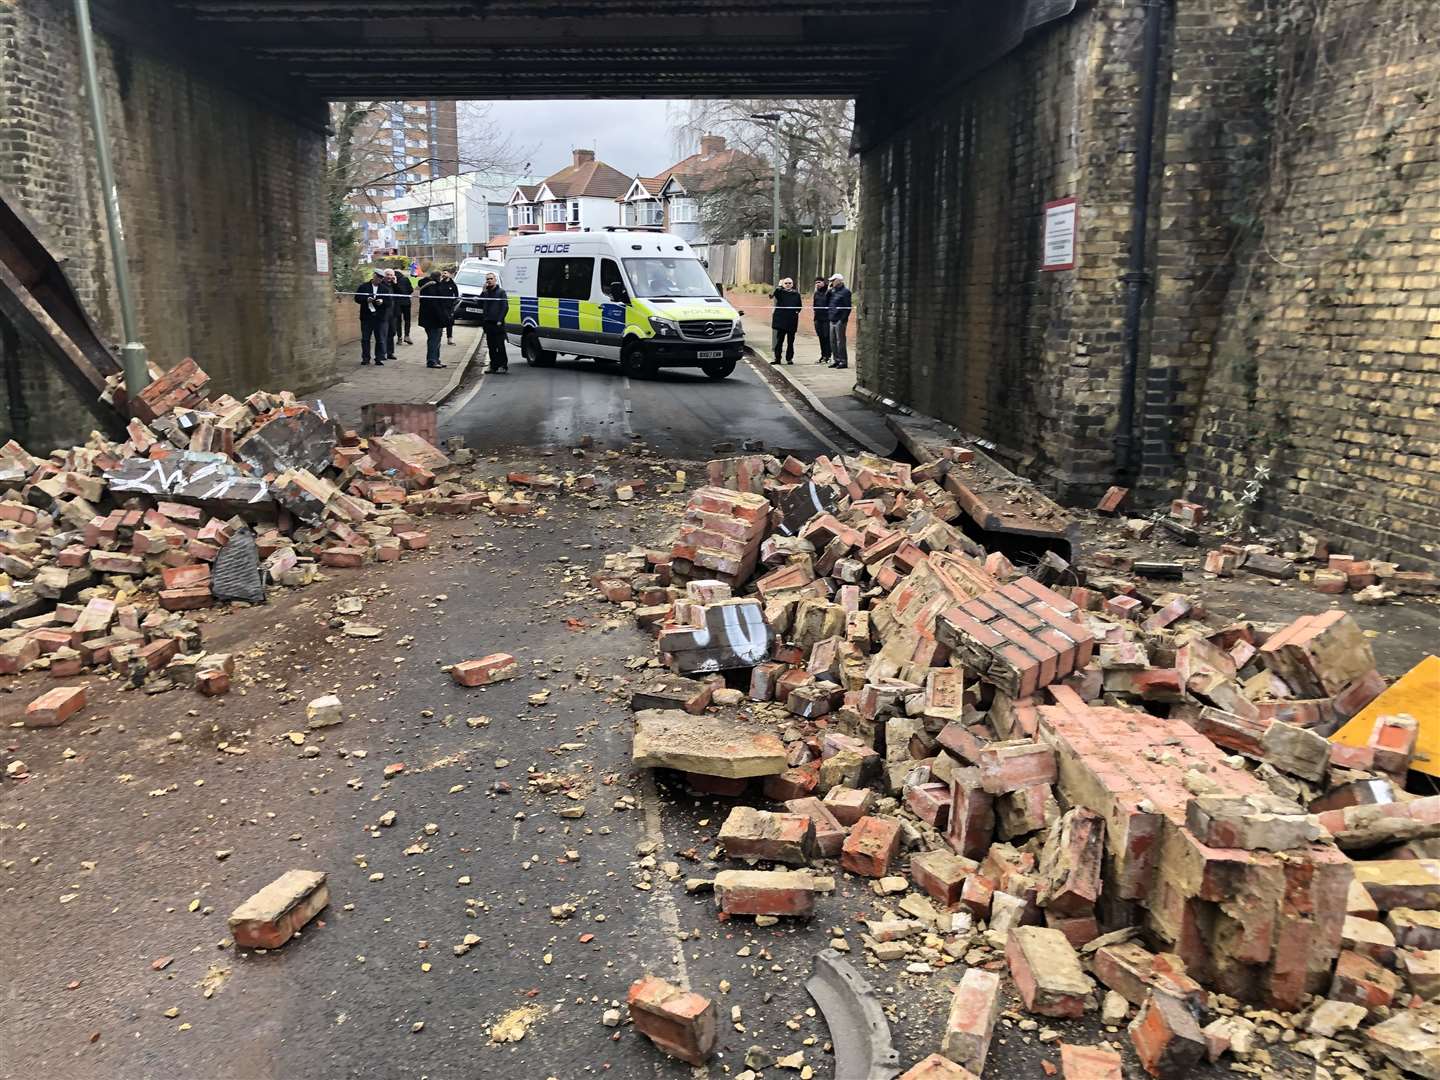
832,305
385,303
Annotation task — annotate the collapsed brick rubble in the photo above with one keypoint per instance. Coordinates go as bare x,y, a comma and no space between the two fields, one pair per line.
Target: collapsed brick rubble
107,549
1122,795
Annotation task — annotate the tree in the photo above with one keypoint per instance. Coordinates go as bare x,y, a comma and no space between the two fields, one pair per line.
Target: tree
818,177
361,161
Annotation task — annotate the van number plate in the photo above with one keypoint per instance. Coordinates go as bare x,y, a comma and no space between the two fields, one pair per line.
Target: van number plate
710,354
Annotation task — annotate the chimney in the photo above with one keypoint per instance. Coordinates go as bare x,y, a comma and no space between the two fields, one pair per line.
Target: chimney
582,157
711,144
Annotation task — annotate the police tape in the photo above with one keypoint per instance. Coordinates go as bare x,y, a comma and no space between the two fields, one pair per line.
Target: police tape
451,298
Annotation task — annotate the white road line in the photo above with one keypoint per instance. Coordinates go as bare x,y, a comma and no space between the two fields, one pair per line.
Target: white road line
825,439
459,405
669,913
628,406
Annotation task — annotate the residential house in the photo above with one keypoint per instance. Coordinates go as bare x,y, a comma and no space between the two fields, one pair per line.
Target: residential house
672,200
583,195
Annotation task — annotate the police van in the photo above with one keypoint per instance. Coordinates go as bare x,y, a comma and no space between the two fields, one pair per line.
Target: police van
630,297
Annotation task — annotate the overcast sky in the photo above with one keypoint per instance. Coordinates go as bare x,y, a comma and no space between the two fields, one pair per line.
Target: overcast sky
633,136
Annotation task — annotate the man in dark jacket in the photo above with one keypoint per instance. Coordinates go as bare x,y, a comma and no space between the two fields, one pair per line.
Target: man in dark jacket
450,289
820,304
494,306
374,303
434,314
784,321
838,301
400,323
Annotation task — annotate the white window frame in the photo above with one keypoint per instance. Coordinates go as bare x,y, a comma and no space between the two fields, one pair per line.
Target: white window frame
555,213
679,203
574,218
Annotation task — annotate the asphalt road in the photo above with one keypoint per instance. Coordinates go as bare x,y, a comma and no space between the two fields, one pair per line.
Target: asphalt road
680,412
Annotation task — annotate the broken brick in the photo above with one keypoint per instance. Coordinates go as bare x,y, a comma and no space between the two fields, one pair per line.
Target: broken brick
497,667
679,1022
873,842
280,910
54,707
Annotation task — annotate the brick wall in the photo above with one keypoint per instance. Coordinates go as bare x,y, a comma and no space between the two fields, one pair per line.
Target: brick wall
223,199
956,318
1291,337
1325,369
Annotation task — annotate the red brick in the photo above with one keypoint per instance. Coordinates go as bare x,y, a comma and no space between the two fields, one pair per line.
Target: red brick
1010,766
1089,1063
765,892
494,668
873,842
212,683
1360,980
829,833
279,911
752,835
1124,607
414,540
942,875
1046,972
930,803
970,1024
679,1022
848,804
54,707
935,1067
1112,500
1167,1038
791,784
186,599
18,653
972,815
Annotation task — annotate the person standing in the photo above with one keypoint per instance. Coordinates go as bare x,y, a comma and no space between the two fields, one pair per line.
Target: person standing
784,321
839,302
820,304
434,314
494,307
450,289
404,287
374,302
392,307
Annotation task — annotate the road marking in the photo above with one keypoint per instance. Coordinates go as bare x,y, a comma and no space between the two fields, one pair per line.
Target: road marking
459,405
834,447
629,408
669,912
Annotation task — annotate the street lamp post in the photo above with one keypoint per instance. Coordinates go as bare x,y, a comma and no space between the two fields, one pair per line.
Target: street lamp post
772,120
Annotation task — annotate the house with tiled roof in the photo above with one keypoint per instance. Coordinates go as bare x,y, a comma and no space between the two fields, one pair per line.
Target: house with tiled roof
583,195
672,199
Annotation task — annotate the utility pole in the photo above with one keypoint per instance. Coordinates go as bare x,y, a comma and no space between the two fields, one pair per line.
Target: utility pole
132,353
772,120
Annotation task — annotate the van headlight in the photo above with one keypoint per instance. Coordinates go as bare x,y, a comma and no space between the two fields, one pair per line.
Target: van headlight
664,327
739,331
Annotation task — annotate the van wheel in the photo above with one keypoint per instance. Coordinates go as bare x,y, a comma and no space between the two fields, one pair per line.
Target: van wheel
722,370
633,362
535,356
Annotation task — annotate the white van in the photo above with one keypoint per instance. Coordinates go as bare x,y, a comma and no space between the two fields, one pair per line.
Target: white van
470,279
637,298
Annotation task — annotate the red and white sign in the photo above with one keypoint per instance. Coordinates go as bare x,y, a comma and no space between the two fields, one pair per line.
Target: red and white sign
399,217
1060,225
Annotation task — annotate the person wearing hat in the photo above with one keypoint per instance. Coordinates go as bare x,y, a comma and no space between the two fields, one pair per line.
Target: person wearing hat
839,304
374,303
784,321
820,306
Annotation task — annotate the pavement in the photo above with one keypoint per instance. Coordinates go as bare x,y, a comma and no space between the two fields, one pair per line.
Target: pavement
826,390
404,380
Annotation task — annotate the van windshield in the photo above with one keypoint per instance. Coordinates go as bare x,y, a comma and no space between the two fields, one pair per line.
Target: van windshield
471,277
669,277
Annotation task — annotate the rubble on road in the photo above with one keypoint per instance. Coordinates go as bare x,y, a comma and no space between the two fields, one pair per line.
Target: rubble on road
1097,784
107,548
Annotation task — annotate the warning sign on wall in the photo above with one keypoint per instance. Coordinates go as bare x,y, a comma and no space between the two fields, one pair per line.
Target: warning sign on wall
1059,251
322,255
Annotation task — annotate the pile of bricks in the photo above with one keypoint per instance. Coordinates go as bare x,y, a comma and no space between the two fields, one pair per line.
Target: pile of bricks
104,547
1118,786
